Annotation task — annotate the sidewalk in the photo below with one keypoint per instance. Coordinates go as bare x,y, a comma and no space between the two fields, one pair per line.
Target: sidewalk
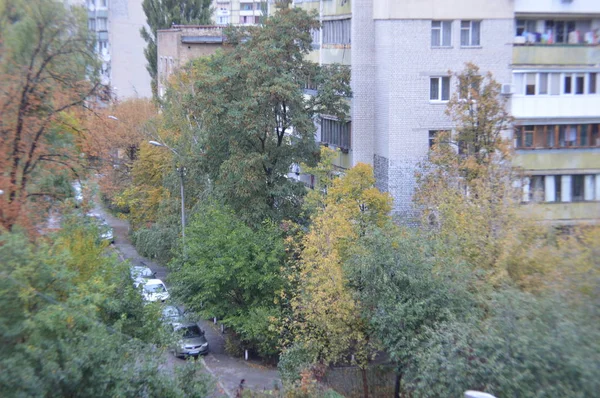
228,370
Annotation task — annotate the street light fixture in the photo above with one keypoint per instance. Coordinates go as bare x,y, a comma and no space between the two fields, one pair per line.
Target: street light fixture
181,171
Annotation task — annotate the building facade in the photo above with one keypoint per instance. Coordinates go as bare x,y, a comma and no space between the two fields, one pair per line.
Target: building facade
403,56
556,105
240,12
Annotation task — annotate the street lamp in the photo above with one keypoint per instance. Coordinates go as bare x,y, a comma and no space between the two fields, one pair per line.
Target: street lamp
181,171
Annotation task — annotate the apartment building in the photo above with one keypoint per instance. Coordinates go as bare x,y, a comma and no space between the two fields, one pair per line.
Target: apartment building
402,55
332,44
556,104
117,24
240,12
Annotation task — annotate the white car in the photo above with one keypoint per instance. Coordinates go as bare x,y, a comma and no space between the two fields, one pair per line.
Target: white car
141,272
154,290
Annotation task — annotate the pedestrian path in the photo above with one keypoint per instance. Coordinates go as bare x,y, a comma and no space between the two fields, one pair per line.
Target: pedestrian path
228,370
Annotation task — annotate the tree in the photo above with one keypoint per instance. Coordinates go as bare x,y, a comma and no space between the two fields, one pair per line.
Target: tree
257,121
470,197
404,293
232,272
48,68
327,317
79,312
162,14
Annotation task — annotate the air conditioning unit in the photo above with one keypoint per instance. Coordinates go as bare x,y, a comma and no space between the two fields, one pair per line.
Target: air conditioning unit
507,89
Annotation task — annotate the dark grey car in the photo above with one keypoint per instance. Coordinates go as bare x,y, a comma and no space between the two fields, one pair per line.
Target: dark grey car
192,341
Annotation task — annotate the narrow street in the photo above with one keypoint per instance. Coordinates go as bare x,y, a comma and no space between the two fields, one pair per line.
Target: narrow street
228,370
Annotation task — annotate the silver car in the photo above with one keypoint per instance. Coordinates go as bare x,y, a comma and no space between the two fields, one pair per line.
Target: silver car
192,341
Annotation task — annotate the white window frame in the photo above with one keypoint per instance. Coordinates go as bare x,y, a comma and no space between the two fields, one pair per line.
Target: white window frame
102,24
440,90
470,29
437,29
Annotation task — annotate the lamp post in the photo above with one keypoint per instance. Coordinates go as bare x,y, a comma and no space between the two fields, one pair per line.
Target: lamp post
181,171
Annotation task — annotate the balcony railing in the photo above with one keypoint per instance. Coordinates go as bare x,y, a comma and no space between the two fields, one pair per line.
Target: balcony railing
556,54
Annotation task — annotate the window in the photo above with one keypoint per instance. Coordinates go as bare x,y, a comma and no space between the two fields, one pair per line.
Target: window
468,86
577,186
543,86
469,33
536,189
525,26
337,31
568,84
579,84
103,3
557,136
554,84
592,83
557,188
439,88
432,136
92,24
441,33
336,133
102,24
102,46
559,30
530,83
246,7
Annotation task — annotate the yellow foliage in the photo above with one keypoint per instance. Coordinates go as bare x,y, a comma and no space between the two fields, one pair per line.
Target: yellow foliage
327,316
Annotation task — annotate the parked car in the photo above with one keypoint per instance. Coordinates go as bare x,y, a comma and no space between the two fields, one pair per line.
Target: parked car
105,230
154,290
172,315
192,341
141,272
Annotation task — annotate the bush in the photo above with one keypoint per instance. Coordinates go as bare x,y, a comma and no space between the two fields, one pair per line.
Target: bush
156,242
292,362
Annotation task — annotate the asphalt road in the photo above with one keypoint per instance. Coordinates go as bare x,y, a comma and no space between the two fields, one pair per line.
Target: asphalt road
229,371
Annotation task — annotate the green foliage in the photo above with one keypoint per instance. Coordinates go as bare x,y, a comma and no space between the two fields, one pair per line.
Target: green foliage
162,14
292,362
402,293
232,272
256,120
64,324
528,347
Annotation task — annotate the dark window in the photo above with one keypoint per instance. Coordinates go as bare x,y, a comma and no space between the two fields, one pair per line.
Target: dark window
337,31
577,188
336,133
568,88
592,84
579,84
530,84
557,188
550,136
583,135
432,136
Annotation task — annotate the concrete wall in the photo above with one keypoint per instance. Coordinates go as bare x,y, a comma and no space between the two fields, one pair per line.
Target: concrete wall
559,161
443,9
129,77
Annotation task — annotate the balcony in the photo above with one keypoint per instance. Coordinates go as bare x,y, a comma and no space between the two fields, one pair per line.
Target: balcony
556,54
555,106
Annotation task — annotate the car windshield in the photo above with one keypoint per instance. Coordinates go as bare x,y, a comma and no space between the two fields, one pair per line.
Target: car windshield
155,288
191,331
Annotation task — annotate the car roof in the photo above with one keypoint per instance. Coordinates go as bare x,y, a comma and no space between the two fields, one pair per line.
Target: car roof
185,325
154,282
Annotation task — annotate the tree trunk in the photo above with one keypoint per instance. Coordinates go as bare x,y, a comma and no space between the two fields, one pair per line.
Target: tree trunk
397,384
365,382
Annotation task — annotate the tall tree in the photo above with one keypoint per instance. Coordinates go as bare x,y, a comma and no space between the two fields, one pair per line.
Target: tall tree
162,14
257,119
467,190
48,67
327,316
